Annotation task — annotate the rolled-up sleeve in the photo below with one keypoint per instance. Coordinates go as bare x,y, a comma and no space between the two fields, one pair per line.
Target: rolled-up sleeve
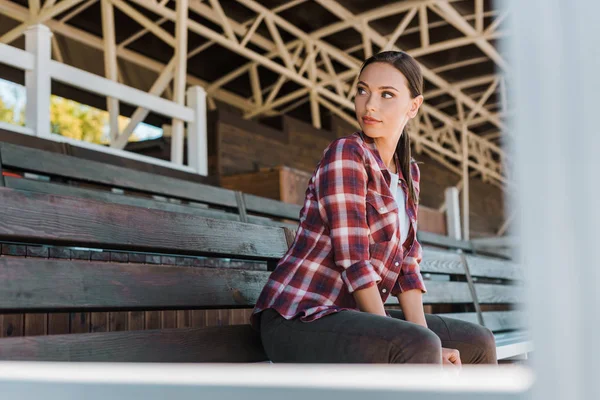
410,273
341,188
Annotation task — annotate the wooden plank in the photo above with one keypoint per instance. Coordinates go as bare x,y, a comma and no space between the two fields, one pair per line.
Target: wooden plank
443,241
198,318
99,321
441,261
219,344
262,205
118,321
491,293
136,320
442,292
79,322
168,319
152,320
109,197
36,324
290,236
58,323
494,268
39,217
38,285
239,197
472,289
92,171
184,319
11,325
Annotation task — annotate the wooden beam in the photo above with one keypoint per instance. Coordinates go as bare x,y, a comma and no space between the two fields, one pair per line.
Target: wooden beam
424,26
216,5
447,11
179,82
144,21
400,29
255,84
110,64
479,15
41,17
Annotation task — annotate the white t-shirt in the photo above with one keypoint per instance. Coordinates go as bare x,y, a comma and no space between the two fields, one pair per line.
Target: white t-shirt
401,201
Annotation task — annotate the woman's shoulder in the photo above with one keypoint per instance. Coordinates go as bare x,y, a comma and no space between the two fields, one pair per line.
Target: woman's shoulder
345,147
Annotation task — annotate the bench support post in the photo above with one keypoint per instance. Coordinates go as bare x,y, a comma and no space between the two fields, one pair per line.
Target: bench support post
197,148
37,80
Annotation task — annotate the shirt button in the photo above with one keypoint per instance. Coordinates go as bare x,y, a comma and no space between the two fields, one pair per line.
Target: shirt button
381,208
384,290
397,263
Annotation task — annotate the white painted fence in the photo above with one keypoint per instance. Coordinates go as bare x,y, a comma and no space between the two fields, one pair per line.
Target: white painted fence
40,70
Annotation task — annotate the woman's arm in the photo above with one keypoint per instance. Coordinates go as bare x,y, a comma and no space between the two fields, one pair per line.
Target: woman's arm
369,300
411,302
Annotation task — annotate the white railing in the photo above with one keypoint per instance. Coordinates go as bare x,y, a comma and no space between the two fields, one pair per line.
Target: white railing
128,381
40,70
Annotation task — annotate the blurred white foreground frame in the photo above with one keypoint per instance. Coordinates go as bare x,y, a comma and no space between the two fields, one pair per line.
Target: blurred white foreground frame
555,82
554,62
122,381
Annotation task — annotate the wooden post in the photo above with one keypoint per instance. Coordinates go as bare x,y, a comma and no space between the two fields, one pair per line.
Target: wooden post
453,212
465,179
110,65
37,81
180,78
197,145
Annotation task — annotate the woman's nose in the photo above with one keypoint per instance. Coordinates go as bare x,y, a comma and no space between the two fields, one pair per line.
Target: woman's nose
371,103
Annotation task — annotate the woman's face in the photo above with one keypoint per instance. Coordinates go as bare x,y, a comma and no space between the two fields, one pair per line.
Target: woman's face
383,103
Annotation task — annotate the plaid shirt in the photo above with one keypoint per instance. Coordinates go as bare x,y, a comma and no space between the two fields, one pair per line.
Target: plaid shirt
348,237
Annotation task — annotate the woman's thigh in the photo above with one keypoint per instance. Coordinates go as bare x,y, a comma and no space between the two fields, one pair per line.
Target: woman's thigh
475,343
348,337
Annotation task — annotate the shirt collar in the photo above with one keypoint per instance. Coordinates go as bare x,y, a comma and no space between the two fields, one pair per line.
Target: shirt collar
370,143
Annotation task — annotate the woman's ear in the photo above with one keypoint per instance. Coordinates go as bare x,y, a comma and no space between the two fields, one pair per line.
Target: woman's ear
414,107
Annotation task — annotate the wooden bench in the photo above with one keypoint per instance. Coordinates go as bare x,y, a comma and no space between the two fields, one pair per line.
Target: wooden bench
458,274
72,176
177,281
57,223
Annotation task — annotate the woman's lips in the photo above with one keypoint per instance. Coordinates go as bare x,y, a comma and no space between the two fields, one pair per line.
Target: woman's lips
370,121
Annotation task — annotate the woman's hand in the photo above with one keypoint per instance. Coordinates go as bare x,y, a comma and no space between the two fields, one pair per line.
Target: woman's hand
451,356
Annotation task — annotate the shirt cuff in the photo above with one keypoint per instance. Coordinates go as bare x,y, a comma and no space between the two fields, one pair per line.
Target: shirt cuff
408,282
360,275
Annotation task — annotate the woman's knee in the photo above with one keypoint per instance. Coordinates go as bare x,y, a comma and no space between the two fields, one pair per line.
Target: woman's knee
424,348
486,341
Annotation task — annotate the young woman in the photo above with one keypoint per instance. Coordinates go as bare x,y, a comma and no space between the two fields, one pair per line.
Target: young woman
356,244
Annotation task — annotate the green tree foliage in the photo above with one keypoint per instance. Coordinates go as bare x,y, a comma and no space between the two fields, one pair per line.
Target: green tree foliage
69,118
7,114
74,120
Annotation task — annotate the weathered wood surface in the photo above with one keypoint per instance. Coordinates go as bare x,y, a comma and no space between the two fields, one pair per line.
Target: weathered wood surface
38,217
458,292
109,197
48,163
46,285
217,344
271,207
494,268
494,320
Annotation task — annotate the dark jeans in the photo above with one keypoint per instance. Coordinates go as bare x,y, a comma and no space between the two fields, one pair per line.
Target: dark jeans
359,337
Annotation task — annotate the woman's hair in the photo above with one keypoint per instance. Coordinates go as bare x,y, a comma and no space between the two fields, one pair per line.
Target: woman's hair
411,70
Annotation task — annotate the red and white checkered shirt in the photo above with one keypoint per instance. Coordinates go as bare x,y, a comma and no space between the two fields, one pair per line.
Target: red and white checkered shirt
348,237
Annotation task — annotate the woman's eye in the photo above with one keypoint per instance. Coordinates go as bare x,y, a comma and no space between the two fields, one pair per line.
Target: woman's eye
384,94
360,91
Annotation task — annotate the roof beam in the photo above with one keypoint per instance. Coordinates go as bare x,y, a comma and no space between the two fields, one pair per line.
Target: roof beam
449,13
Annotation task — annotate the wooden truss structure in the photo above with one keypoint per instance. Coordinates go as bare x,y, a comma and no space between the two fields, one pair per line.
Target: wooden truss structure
287,67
